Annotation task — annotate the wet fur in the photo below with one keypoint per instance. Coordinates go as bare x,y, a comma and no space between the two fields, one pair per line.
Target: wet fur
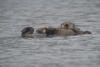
27,32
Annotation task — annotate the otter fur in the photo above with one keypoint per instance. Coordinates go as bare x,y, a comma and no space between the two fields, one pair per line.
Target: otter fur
27,32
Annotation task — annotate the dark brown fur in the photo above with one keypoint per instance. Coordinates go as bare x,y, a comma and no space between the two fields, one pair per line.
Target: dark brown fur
27,32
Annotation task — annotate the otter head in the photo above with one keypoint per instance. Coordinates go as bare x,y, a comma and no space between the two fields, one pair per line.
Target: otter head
68,25
27,32
46,30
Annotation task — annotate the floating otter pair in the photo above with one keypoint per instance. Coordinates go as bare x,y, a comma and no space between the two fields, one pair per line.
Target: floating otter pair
66,29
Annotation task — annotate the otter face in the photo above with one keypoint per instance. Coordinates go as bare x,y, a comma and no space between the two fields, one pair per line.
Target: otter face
68,25
27,32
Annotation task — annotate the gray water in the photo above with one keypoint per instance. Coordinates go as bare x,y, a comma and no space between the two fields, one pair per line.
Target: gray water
71,51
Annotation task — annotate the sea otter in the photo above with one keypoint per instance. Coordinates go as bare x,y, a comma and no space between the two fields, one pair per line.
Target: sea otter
71,26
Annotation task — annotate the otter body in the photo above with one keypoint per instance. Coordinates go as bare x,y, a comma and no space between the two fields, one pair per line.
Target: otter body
46,30
65,32
55,31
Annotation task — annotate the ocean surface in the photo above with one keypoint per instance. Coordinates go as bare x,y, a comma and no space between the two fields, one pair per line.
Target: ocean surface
71,51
